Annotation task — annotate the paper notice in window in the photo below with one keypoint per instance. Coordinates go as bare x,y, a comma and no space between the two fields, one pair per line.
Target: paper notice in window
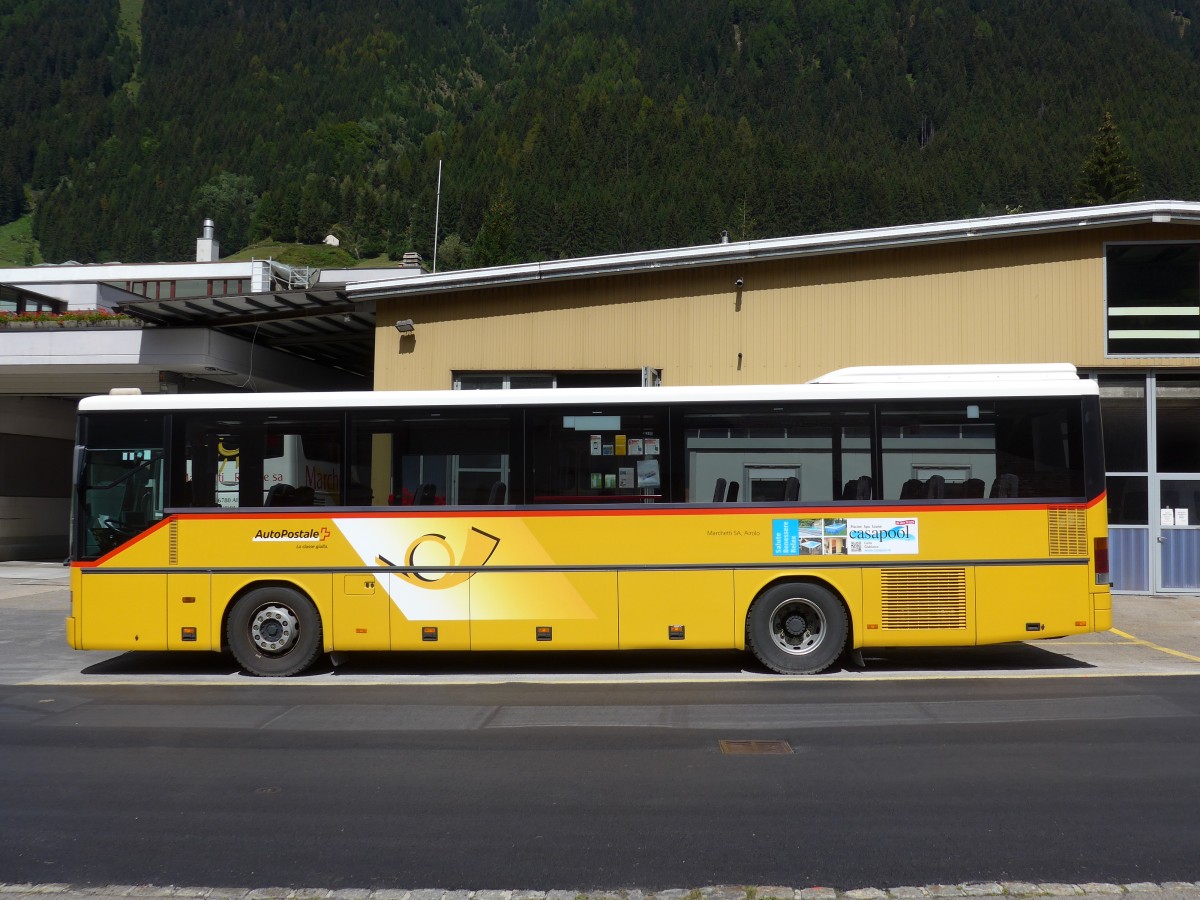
647,473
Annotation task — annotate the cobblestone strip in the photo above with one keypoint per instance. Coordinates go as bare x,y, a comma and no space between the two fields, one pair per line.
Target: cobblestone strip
1012,889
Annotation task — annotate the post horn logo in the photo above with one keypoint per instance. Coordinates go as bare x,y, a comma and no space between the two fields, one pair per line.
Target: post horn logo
479,549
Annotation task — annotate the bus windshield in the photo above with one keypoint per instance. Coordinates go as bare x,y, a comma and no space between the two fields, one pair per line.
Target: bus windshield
121,483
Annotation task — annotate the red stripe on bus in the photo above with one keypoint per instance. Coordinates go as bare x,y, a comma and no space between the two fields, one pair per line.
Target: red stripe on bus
840,512
408,512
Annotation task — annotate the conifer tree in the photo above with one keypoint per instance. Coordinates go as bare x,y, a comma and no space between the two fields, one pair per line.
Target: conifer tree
1108,174
494,245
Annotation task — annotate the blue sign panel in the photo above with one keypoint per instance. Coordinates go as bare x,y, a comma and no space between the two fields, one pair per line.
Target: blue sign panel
786,537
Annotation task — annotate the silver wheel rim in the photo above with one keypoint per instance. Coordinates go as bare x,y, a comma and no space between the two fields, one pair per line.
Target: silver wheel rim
274,629
797,626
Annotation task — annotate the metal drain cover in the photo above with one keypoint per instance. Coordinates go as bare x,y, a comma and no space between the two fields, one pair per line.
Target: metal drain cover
759,748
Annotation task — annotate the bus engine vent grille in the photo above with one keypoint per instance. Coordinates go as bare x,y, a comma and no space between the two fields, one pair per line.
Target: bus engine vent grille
173,543
1068,531
924,598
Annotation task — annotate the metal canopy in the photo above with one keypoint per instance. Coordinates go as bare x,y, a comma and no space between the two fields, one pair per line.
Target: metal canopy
322,326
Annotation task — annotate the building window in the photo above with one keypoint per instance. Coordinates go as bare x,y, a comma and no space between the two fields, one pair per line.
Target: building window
16,301
1127,500
1177,401
1123,410
1153,295
189,287
475,381
497,381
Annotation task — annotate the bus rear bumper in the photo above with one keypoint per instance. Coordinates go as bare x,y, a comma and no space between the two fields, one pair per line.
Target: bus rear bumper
71,633
1102,610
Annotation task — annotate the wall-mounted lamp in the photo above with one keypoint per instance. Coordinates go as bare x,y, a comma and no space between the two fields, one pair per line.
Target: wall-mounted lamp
737,282
405,327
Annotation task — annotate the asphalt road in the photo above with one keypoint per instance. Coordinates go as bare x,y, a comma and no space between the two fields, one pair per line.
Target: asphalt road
1054,762
602,786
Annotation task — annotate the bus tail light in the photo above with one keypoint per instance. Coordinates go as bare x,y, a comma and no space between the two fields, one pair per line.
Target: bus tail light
1100,555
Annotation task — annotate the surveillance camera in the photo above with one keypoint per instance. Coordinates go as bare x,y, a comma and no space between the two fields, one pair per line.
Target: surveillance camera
737,283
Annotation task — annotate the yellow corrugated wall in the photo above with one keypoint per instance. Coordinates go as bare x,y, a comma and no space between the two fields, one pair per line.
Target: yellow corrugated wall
1034,298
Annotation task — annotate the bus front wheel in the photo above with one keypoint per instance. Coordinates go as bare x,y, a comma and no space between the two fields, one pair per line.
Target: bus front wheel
797,628
274,631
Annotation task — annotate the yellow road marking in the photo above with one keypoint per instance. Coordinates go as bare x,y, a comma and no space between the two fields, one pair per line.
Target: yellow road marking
1153,646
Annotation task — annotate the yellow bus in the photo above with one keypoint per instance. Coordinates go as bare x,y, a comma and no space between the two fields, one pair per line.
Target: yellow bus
872,507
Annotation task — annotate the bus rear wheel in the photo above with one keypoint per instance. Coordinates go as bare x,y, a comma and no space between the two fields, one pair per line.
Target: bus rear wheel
274,632
797,628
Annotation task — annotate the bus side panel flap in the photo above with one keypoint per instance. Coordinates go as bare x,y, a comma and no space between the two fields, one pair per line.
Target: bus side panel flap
361,613
1022,603
123,612
189,611
676,609
424,617
513,610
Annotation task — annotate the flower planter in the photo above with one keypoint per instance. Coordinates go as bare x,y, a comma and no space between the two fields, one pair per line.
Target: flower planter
56,324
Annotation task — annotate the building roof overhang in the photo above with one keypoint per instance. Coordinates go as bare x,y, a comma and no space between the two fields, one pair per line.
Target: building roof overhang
1017,224
88,360
321,326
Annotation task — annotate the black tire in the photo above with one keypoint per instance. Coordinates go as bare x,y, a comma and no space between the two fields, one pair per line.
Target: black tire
274,632
797,628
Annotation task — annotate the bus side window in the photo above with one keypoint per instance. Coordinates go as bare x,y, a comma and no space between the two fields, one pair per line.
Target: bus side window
597,456
934,450
305,454
776,455
937,450
222,460
1040,448
431,457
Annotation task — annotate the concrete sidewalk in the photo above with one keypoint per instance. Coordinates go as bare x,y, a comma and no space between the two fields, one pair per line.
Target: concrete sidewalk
1168,622
38,572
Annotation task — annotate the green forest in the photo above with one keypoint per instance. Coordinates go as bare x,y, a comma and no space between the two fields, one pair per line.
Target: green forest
569,128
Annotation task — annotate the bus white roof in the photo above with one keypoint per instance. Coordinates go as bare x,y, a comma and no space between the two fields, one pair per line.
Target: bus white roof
933,374
863,383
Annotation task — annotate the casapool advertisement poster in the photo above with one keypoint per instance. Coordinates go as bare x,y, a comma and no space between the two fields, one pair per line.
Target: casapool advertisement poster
834,537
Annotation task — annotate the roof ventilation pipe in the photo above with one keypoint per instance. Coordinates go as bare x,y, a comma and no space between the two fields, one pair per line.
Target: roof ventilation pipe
207,248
